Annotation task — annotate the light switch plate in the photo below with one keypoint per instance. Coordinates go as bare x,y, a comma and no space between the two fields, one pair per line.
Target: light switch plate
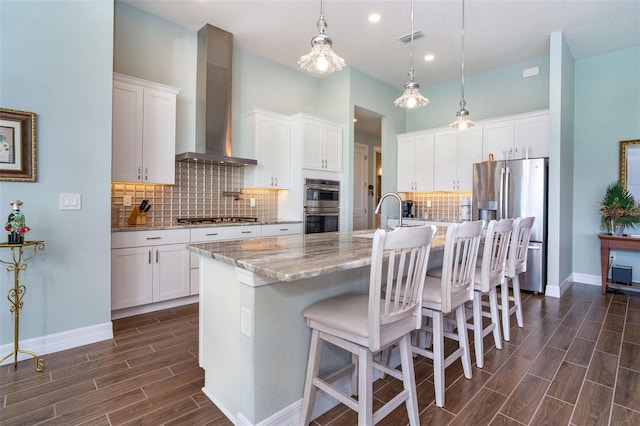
70,202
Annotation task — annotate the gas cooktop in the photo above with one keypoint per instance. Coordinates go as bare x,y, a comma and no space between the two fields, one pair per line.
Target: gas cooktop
205,220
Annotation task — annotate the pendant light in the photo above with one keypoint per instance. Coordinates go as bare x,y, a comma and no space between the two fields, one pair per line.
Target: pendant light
463,121
411,98
322,59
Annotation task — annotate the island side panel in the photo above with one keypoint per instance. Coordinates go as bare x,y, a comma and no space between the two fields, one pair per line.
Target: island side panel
280,344
220,334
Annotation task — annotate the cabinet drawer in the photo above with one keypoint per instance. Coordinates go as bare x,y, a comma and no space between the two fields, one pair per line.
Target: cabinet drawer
149,238
221,233
281,229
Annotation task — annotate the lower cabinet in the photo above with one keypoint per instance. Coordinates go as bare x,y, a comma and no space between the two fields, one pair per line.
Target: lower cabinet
148,267
154,266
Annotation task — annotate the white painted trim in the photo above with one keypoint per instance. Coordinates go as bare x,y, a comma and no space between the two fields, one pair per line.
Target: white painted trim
60,341
252,279
152,307
587,279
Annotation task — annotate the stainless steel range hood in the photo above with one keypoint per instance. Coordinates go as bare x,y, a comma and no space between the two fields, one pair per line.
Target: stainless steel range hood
213,101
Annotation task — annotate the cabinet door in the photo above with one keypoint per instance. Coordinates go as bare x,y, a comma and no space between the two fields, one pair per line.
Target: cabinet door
131,277
313,152
469,152
332,148
281,154
498,138
159,137
406,163
424,162
261,176
126,162
532,132
445,160
171,272
281,229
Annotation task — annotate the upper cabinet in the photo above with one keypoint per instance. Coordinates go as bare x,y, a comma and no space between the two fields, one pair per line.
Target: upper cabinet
144,131
415,162
321,143
267,138
454,154
521,136
442,159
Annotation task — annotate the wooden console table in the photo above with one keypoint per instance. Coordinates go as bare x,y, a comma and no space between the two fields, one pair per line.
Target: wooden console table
16,264
612,242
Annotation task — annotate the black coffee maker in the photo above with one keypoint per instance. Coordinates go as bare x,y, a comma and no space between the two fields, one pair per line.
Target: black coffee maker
407,208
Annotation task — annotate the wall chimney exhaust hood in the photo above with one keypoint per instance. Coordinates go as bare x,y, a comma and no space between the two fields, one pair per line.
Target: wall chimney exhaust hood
213,101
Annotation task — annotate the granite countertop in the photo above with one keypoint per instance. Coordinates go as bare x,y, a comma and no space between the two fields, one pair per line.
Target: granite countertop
169,226
295,257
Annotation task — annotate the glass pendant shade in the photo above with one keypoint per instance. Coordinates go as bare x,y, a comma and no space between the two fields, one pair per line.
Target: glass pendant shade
463,121
322,59
411,97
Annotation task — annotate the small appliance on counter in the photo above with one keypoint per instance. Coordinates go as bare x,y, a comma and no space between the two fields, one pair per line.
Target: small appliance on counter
465,208
408,209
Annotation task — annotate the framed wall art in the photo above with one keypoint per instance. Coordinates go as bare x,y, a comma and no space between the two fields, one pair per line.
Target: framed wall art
17,145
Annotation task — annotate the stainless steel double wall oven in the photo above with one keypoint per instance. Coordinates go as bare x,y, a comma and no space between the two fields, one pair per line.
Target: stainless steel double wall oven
321,205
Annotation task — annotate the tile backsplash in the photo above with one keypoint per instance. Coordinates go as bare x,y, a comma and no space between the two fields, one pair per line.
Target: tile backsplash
445,205
200,190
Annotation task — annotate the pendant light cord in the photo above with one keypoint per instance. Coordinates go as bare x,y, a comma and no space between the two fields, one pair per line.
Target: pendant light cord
411,57
462,55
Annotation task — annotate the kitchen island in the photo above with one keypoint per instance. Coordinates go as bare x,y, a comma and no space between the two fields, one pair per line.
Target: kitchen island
254,341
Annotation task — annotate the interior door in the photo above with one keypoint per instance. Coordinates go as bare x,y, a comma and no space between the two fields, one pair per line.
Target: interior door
360,183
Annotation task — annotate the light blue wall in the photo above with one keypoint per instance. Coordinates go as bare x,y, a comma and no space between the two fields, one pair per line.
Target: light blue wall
154,49
56,61
607,109
495,93
561,150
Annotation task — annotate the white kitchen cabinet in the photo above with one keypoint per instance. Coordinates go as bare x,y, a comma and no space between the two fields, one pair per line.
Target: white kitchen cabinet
455,152
511,135
148,266
321,143
267,138
144,131
415,162
213,234
275,229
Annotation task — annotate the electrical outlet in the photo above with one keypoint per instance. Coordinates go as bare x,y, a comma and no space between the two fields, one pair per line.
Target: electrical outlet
252,202
127,201
612,256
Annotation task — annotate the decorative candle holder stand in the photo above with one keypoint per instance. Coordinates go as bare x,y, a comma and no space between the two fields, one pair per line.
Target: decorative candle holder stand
16,294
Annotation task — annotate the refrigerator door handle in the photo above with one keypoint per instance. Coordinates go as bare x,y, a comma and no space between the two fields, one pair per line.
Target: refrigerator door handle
501,195
506,194
534,247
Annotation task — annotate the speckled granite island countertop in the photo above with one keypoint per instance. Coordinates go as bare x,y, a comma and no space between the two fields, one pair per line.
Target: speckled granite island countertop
295,257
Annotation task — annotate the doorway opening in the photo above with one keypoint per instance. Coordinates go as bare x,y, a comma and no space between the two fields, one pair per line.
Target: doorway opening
367,167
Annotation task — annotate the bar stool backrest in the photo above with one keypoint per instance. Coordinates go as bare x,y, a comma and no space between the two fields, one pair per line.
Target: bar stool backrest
519,246
459,263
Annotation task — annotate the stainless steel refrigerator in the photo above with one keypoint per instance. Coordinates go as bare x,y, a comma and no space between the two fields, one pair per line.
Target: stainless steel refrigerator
510,189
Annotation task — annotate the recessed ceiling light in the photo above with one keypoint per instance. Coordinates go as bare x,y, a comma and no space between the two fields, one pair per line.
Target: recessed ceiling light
429,57
374,17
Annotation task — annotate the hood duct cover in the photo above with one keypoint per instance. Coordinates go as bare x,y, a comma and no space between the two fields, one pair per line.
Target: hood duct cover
213,100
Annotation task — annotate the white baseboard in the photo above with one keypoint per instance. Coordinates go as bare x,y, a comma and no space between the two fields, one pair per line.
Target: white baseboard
152,307
587,279
60,341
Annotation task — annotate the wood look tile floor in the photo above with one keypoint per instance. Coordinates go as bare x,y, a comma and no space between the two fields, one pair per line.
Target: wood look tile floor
576,362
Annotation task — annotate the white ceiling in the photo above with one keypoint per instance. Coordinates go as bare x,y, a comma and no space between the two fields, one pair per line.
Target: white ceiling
497,33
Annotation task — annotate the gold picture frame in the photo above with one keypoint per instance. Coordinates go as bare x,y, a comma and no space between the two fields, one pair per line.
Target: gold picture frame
17,145
630,155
